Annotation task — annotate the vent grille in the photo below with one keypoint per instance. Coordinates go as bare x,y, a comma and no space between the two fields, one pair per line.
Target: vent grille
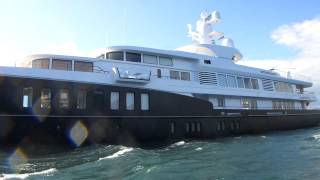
208,78
267,85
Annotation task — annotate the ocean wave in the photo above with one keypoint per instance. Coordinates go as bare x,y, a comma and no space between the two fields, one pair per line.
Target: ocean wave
121,152
198,149
180,143
27,175
316,136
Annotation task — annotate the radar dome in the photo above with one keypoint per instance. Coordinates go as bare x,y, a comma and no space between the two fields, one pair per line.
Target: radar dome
227,42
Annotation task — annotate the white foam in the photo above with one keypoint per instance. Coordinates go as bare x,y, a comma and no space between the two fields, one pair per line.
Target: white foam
122,151
264,136
180,143
150,169
27,175
199,149
316,136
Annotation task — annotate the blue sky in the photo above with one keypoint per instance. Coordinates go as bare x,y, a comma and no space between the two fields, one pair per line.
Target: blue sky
35,24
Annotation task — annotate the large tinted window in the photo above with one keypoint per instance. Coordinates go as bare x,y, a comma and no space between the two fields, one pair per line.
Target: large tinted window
61,64
175,75
64,98
82,99
222,80
130,101
114,100
245,103
144,101
165,61
45,100
232,81
254,104
133,57
255,84
83,66
40,63
27,97
149,59
221,102
118,55
185,76
247,83
240,82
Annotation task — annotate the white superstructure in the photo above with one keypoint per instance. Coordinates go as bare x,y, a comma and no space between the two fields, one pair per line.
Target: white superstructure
206,69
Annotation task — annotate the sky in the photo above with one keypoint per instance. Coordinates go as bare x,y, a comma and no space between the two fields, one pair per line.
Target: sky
284,34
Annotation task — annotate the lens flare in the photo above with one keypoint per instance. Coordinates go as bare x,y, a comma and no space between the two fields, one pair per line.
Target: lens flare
40,113
17,159
78,133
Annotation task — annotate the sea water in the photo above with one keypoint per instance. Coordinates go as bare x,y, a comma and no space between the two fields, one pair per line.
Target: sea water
277,155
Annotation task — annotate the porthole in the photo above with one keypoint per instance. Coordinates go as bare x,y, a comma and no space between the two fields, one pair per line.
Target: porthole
238,124
232,125
187,128
219,126
172,127
198,127
193,128
222,125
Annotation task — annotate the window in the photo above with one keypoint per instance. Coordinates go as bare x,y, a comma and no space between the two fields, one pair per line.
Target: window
185,76
253,104
130,101
187,128
172,127
206,61
45,100
245,103
144,101
40,63
255,84
27,97
240,82
232,82
165,61
149,59
175,75
198,127
222,80
118,55
61,65
133,57
247,83
83,66
221,102
64,98
82,99
193,127
114,100
283,87
159,73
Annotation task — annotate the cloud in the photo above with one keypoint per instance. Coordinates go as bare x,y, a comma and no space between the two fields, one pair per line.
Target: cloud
303,37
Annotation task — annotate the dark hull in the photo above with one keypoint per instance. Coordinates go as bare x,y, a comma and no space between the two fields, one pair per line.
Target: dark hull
171,117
